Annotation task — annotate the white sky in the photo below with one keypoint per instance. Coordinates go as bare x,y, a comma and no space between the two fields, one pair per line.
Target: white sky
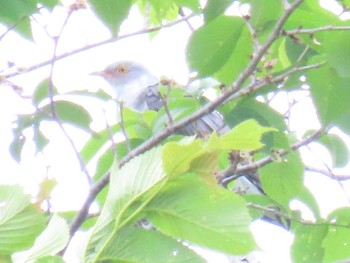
164,55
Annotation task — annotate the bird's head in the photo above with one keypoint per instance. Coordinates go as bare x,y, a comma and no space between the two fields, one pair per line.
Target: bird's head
124,72
129,82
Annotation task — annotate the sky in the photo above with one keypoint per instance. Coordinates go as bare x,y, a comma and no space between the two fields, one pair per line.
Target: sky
164,55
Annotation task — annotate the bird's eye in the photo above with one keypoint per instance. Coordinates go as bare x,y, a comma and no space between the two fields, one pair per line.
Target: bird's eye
122,69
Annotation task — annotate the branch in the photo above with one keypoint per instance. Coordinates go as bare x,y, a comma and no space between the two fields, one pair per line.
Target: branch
96,188
52,102
226,176
329,174
311,31
114,39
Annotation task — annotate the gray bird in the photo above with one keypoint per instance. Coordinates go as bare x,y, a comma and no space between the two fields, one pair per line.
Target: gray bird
138,89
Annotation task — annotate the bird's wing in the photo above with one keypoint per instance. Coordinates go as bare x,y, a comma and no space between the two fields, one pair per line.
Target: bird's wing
202,127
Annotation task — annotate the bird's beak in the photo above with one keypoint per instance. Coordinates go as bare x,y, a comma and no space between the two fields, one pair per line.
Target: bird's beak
98,73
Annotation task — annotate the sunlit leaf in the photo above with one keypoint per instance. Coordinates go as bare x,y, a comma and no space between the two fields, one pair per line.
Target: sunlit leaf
134,180
245,136
205,215
51,241
20,221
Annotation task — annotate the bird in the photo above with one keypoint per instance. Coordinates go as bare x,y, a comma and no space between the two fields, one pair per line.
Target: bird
137,88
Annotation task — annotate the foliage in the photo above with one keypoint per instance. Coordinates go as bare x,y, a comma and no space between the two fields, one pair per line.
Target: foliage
163,197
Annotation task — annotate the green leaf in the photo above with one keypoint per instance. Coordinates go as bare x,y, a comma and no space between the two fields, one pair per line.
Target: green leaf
70,112
337,148
130,189
307,246
20,222
41,92
209,216
51,241
336,244
283,180
239,58
215,8
263,14
177,157
112,13
49,3
337,49
49,259
245,136
96,142
138,245
331,96
16,12
211,45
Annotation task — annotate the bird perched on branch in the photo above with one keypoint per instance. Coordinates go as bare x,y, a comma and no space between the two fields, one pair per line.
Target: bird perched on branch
138,89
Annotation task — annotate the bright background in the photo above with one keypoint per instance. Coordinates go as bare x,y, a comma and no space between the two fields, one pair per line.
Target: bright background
164,55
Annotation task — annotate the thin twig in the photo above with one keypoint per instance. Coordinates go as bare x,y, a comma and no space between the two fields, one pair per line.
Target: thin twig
297,220
110,40
310,31
235,89
327,173
164,99
53,107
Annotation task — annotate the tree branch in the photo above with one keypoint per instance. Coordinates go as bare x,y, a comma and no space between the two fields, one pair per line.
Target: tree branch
114,39
329,174
310,31
226,176
231,93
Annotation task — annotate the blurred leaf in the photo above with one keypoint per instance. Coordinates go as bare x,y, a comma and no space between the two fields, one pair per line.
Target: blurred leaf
239,58
49,3
46,187
49,259
41,92
16,146
51,241
317,16
211,45
201,214
308,243
69,112
215,8
97,141
263,14
245,136
337,148
337,49
331,96
112,13
336,244
136,179
283,180
73,113
16,12
138,245
20,222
